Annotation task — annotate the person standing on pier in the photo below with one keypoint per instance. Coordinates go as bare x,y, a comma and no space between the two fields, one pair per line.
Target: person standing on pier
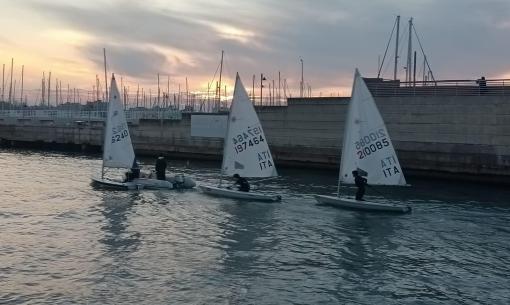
161,168
360,183
482,83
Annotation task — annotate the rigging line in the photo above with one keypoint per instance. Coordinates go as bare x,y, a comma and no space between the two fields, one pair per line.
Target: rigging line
402,45
387,47
214,76
228,71
386,67
401,38
423,52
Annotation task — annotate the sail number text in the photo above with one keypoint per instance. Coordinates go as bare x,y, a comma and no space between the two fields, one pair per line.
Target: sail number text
371,143
119,132
250,137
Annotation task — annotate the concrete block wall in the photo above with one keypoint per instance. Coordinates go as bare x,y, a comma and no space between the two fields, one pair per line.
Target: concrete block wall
307,131
469,134
460,135
174,137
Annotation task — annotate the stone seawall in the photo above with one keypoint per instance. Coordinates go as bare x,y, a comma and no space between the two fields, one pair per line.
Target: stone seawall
458,135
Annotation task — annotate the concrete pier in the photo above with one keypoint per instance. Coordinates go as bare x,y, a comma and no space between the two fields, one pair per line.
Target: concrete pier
464,136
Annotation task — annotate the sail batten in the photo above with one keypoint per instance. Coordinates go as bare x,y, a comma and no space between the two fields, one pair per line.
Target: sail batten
367,146
245,150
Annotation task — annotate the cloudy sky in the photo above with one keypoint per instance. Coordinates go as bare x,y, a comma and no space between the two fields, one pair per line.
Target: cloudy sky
463,39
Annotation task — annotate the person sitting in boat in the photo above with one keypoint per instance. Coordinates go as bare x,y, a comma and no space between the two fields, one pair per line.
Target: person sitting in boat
133,173
360,183
242,183
161,168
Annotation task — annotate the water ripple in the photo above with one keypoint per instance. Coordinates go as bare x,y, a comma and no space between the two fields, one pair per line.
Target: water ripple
65,242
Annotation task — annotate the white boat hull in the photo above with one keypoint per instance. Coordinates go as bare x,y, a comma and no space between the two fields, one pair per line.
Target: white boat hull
109,183
176,182
223,192
349,203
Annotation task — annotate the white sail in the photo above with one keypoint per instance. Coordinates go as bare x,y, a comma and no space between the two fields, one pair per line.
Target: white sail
367,145
245,150
118,150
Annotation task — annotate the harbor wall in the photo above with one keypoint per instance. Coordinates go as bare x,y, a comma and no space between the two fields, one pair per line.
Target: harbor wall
463,136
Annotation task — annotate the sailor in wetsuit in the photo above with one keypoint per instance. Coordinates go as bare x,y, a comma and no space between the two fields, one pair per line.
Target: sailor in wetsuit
242,183
133,173
360,183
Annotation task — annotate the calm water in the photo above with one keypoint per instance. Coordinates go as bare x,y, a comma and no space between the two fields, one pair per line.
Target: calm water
63,241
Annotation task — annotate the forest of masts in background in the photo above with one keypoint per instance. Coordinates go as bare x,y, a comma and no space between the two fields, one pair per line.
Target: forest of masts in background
214,99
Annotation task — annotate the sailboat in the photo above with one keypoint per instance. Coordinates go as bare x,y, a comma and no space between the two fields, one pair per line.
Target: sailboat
118,151
367,148
245,149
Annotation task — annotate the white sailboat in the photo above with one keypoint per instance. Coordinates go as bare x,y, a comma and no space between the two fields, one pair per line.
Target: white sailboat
118,151
367,147
245,148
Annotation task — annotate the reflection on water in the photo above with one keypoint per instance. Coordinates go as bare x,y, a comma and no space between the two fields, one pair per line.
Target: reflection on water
63,241
118,238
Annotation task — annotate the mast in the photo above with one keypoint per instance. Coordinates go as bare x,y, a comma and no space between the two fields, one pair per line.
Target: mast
187,95
159,92
49,88
14,94
285,88
279,88
56,92
105,75
106,123
22,72
43,89
409,52
414,70
97,88
253,89
302,78
396,49
227,130
122,92
424,68
262,78
219,84
137,93
3,82
10,86
273,101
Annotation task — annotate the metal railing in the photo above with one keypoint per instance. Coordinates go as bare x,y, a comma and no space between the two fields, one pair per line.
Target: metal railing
493,87
84,115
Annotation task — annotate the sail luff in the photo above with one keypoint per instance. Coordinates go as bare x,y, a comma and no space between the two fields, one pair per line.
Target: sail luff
107,127
226,136
347,126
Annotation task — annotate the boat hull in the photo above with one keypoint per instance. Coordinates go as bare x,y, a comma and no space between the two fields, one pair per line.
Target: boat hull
176,182
222,192
114,184
348,203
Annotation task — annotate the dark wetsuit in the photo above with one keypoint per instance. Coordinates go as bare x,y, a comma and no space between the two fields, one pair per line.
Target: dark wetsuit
243,185
161,169
360,183
134,172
